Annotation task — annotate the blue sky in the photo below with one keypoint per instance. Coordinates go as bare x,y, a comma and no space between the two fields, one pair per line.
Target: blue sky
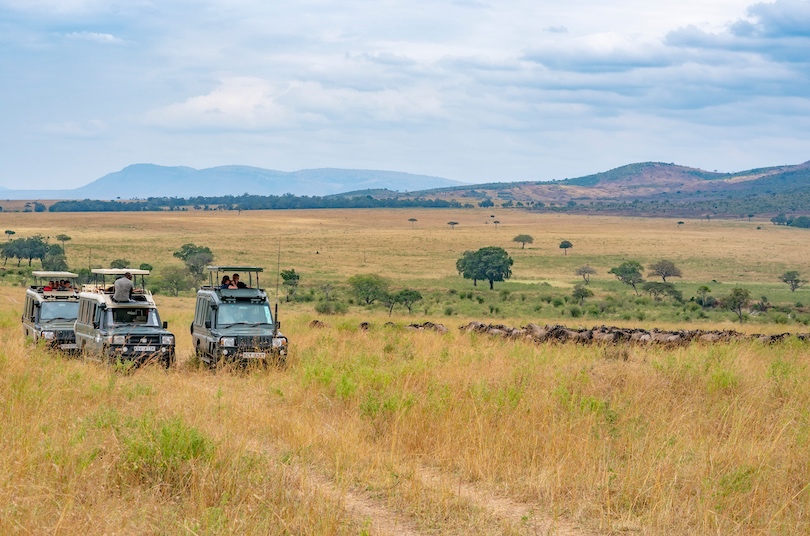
469,90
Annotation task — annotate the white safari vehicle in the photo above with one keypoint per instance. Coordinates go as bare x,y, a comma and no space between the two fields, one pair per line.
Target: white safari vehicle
50,309
126,331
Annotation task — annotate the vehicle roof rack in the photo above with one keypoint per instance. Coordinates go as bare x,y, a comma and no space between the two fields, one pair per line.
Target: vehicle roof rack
119,271
234,268
45,274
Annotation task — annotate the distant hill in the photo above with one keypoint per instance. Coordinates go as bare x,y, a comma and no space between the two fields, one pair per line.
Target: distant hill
651,187
149,180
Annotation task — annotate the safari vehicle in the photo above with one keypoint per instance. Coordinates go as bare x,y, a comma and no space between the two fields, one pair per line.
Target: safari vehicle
236,324
50,309
129,331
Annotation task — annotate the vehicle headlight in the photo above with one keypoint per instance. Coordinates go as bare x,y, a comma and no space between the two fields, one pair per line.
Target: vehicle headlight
49,335
278,343
167,340
227,341
119,339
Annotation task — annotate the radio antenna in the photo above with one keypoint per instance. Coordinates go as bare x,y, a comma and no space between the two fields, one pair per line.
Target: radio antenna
278,267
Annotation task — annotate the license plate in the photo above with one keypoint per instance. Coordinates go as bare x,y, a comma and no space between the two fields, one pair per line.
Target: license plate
144,348
68,346
254,355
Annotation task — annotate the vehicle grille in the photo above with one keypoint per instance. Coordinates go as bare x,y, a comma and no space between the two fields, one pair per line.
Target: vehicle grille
143,340
65,336
250,343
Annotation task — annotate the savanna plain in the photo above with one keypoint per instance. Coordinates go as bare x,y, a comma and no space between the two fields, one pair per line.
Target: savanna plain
388,430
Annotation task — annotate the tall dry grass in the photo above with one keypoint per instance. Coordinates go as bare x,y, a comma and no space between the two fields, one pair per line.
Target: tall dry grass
693,440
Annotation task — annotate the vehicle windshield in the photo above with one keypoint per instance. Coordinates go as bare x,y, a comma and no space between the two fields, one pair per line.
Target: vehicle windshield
244,313
61,310
141,316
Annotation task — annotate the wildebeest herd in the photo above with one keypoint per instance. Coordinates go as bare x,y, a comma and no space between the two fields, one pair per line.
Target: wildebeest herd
598,334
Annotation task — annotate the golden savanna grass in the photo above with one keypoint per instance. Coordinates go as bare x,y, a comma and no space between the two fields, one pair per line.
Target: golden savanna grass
392,431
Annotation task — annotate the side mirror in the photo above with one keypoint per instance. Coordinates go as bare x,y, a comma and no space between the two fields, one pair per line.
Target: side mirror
95,324
207,324
165,324
278,325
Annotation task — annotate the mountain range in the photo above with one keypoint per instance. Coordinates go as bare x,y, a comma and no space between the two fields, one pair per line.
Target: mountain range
651,188
149,180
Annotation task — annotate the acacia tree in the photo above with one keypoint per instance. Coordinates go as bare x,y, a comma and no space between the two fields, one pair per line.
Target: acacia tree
290,282
523,239
407,297
703,291
664,269
565,245
9,232
452,224
369,288
63,238
196,258
657,290
586,272
737,301
792,279
629,273
490,263
581,292
412,220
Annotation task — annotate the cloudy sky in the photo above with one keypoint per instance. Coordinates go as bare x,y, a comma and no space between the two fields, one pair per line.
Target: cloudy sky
471,90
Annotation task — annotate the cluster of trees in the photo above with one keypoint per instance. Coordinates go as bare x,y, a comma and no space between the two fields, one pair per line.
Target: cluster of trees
372,288
248,202
800,221
52,256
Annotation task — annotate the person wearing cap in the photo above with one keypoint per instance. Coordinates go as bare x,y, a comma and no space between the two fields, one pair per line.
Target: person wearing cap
123,288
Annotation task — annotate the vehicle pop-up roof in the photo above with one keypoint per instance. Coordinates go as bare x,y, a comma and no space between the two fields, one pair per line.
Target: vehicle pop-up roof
103,275
43,277
215,274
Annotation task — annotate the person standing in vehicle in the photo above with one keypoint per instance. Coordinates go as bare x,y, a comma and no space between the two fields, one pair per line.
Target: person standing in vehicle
123,289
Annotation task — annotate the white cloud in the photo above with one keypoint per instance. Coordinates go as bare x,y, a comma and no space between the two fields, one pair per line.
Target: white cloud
94,37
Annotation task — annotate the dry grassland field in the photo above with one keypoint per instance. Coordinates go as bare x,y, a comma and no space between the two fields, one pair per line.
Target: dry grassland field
393,431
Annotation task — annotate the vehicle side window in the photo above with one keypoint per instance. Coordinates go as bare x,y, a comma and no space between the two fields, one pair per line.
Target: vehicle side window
97,314
84,306
28,313
198,313
206,311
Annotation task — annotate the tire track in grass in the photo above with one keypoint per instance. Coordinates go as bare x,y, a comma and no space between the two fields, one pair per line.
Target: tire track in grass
519,514
367,512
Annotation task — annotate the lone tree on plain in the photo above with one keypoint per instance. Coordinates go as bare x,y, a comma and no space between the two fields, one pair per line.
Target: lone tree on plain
586,272
523,239
491,264
412,220
452,224
196,258
407,297
664,269
581,292
290,282
792,280
659,290
63,238
703,291
9,232
737,301
629,273
565,245
369,288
